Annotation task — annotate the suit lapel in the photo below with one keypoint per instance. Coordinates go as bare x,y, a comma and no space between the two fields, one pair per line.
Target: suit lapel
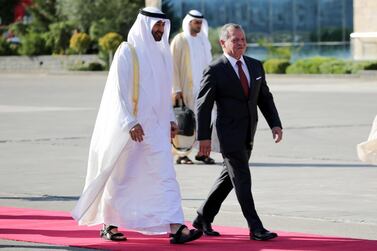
251,74
230,72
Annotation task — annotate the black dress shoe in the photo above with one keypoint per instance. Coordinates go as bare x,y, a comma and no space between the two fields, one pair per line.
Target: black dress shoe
200,224
206,159
262,235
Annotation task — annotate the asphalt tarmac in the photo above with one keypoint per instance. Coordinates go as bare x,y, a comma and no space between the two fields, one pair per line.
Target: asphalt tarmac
311,182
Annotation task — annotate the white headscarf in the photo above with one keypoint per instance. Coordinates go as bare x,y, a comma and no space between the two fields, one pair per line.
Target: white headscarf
115,117
202,35
191,15
157,78
140,35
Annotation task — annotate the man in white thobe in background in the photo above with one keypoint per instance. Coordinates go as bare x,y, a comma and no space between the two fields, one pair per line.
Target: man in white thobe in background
131,181
191,52
367,150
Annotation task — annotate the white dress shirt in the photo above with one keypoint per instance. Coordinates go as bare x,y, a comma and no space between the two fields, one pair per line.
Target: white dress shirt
233,62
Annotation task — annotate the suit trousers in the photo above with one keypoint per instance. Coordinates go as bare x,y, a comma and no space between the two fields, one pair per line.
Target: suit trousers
235,174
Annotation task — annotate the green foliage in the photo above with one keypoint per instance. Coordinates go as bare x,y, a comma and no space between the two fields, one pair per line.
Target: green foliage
110,41
335,67
81,65
281,52
370,66
276,65
18,28
307,65
322,65
213,37
347,67
43,13
340,67
7,49
276,52
33,44
118,15
356,66
99,28
59,35
80,42
4,47
108,45
94,66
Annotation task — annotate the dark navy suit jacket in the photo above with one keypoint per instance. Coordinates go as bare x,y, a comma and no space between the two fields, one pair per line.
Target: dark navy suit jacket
237,114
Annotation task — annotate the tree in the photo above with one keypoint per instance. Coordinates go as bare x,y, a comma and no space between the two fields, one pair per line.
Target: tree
33,44
213,37
108,44
99,28
276,52
101,14
6,48
80,42
59,36
18,29
43,13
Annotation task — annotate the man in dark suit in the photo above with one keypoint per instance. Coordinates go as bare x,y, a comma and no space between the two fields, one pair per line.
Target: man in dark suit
238,86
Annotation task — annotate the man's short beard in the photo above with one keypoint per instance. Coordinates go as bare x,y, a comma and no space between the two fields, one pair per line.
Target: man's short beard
196,31
156,36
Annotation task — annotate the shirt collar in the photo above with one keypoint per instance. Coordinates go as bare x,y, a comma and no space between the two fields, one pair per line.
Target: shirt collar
233,61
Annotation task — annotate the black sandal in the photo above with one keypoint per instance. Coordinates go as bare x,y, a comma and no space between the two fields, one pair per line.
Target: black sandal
184,160
108,235
205,159
179,238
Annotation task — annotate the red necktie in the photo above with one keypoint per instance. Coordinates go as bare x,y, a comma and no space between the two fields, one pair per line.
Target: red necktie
243,79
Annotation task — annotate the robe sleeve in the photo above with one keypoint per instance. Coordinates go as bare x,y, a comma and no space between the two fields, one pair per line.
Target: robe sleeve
124,79
176,51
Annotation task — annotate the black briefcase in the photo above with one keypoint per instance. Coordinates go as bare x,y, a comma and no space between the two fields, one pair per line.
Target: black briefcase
185,118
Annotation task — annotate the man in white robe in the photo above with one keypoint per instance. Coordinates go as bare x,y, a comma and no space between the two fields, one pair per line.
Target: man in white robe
191,52
367,150
131,181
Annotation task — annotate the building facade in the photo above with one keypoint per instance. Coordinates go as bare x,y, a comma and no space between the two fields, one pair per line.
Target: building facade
279,20
364,38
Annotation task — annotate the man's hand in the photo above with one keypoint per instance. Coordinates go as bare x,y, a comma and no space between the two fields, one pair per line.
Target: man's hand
178,96
277,134
137,133
173,129
204,147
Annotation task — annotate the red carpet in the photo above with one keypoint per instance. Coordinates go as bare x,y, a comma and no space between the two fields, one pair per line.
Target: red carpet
58,228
